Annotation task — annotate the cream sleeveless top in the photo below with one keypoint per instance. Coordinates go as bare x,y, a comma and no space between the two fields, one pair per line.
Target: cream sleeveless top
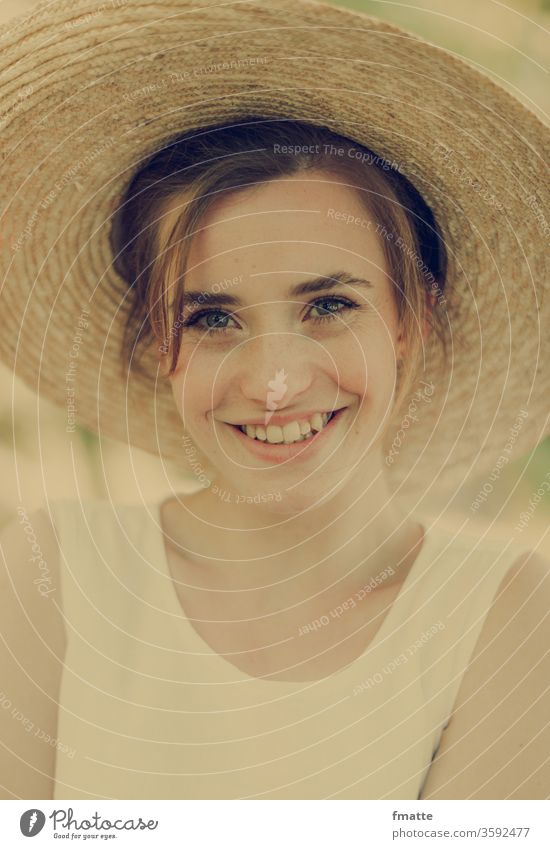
148,710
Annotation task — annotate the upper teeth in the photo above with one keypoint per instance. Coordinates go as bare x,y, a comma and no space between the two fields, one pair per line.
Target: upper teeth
292,432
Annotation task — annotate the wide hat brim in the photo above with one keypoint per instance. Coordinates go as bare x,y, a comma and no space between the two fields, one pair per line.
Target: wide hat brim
88,92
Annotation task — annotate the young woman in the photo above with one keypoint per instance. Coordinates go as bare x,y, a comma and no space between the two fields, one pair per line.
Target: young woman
287,297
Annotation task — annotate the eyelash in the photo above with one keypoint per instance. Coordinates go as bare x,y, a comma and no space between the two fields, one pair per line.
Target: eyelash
193,320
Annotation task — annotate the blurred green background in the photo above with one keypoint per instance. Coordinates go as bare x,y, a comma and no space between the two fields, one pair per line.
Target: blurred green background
510,43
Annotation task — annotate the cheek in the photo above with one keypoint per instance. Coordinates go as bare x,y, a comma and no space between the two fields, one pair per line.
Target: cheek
194,388
366,360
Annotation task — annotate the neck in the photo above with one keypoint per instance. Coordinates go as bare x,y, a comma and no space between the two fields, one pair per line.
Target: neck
348,540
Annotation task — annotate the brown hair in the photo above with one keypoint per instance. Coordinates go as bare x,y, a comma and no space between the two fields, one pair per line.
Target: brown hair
151,240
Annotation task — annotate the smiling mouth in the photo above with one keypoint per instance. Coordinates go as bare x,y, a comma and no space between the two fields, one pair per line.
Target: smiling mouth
272,436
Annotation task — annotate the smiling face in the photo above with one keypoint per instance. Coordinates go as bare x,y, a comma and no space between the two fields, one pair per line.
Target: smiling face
280,350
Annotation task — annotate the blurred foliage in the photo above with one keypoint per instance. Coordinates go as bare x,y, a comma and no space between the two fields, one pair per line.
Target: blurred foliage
508,41
539,466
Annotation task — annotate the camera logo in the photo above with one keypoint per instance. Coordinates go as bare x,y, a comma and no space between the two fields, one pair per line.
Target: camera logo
278,389
32,822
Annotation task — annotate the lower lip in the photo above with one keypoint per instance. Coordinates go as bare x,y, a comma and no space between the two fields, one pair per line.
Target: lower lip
278,452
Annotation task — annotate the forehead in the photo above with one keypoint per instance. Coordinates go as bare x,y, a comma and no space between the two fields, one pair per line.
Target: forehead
306,224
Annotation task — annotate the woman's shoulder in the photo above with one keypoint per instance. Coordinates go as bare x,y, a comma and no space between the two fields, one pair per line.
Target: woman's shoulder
502,707
32,650
100,531
29,543
104,511
38,536
31,563
475,537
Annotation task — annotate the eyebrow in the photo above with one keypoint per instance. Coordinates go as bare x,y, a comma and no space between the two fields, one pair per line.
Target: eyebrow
325,283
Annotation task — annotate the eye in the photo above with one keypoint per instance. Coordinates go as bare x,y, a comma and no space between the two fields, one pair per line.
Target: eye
216,318
331,314
216,326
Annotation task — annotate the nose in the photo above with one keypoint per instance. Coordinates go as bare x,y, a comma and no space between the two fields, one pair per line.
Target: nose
275,368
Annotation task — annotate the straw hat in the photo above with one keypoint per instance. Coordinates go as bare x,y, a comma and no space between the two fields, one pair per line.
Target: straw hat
88,91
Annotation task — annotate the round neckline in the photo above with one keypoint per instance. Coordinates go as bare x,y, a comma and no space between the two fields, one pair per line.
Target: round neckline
176,610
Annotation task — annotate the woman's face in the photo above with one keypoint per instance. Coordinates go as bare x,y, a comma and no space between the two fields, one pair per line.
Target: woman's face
258,348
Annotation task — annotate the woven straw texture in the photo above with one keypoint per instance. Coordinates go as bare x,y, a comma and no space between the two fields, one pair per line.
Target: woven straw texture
89,90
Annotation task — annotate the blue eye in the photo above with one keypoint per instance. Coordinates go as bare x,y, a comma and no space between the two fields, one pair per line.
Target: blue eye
329,315
215,327
218,327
